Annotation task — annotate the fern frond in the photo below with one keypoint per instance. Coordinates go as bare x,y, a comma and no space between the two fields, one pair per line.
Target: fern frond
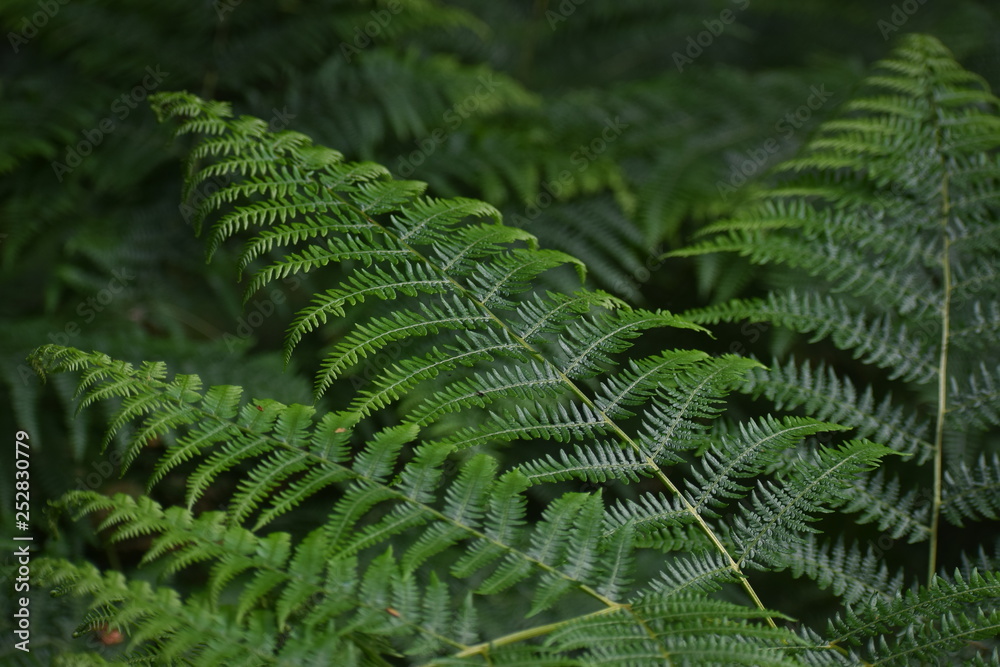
677,630
758,446
972,491
881,340
851,575
881,502
492,281
780,513
690,575
924,624
638,383
658,522
597,463
827,396
978,404
530,381
889,213
674,425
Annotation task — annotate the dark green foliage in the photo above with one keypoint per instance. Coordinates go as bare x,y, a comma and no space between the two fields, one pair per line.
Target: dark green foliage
428,528
497,465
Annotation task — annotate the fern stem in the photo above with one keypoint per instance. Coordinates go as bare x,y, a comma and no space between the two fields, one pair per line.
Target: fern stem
521,635
942,402
733,565
541,630
691,509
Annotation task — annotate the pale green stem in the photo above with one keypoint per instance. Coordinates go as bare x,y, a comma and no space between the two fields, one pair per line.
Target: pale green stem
942,407
529,633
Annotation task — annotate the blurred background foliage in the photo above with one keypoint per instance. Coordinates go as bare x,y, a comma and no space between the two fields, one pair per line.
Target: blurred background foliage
612,129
